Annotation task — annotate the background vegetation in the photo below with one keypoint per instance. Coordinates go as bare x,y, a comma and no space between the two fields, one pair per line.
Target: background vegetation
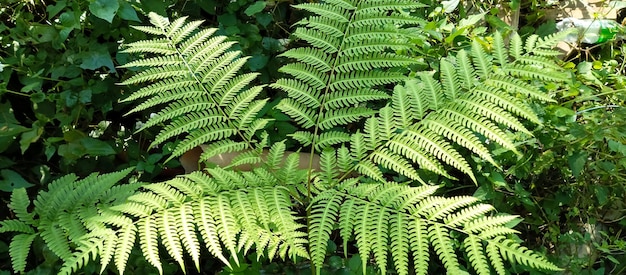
60,113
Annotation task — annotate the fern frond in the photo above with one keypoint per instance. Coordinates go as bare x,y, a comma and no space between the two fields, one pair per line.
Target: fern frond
420,245
324,215
88,249
18,249
15,226
149,243
482,60
168,224
196,80
512,251
208,229
440,239
474,249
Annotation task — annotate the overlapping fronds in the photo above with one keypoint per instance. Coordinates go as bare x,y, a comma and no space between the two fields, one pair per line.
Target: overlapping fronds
71,220
338,93
473,101
193,77
406,223
476,97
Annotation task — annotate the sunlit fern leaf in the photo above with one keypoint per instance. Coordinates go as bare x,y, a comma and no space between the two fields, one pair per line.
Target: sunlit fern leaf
513,251
390,160
458,134
503,99
348,58
450,80
125,244
494,256
380,240
187,233
482,60
149,243
343,116
324,215
500,51
528,71
205,80
438,147
386,124
398,234
85,251
494,113
516,85
208,229
362,234
420,245
226,226
442,244
465,70
467,214
474,249
168,222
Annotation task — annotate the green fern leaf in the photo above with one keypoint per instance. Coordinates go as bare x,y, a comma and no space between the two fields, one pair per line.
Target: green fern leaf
399,235
496,260
323,215
187,233
19,205
208,229
169,221
226,226
450,79
440,239
420,245
474,248
125,243
108,249
513,251
482,60
18,249
79,258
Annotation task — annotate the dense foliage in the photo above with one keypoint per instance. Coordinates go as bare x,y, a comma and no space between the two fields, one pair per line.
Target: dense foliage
436,102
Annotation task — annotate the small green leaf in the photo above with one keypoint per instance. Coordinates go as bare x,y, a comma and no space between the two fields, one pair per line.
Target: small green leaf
577,162
335,262
12,180
30,136
227,19
127,12
55,9
94,147
37,97
264,19
96,58
255,8
104,9
258,62
602,193
5,162
9,126
84,96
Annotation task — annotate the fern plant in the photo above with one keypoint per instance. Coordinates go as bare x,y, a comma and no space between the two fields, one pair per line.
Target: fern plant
337,92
